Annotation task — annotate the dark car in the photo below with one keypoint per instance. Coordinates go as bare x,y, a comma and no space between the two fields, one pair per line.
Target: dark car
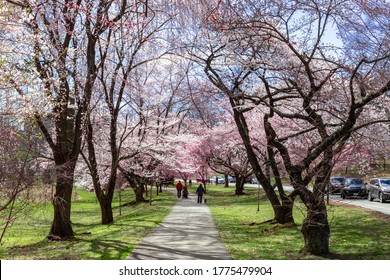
379,188
353,187
336,183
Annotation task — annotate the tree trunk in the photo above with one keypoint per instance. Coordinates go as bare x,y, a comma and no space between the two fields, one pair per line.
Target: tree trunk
226,180
239,185
316,230
144,187
284,212
61,228
139,193
106,210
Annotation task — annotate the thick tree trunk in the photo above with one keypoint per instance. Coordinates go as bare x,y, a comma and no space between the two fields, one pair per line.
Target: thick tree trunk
139,191
239,185
61,228
316,230
106,211
315,227
284,213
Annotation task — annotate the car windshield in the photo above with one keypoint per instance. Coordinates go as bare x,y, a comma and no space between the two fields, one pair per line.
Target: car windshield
385,182
356,181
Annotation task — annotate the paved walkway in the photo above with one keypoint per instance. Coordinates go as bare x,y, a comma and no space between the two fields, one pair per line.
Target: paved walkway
187,233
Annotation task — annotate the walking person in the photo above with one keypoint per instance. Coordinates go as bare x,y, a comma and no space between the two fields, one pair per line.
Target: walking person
185,190
200,191
179,188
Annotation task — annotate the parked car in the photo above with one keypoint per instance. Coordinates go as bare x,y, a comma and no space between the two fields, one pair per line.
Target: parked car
336,183
217,180
221,180
254,180
379,188
353,187
231,179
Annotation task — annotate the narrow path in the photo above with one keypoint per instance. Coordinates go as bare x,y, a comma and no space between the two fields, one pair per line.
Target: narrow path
187,233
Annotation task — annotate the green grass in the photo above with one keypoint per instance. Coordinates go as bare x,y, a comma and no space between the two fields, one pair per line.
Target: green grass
355,232
93,241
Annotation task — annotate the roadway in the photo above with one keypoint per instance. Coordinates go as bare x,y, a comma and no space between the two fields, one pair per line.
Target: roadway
374,205
365,203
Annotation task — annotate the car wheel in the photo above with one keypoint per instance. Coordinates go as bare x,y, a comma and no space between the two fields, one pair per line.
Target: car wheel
381,200
369,197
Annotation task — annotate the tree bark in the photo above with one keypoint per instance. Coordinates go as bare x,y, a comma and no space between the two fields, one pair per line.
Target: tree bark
139,191
61,228
226,180
316,230
104,196
106,210
239,185
315,227
284,212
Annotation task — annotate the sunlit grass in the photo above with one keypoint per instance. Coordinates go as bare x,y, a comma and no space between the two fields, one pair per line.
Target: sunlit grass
93,241
355,232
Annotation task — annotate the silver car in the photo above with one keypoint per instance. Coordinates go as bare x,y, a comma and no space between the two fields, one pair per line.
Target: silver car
217,180
379,188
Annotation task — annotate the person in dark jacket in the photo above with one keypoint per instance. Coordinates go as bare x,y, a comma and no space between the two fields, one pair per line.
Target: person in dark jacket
200,191
185,190
179,188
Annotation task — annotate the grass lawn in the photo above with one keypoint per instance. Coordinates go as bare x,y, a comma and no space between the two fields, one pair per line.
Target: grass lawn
355,233
93,241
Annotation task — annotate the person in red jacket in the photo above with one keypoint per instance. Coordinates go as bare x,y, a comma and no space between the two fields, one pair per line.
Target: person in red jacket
179,187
